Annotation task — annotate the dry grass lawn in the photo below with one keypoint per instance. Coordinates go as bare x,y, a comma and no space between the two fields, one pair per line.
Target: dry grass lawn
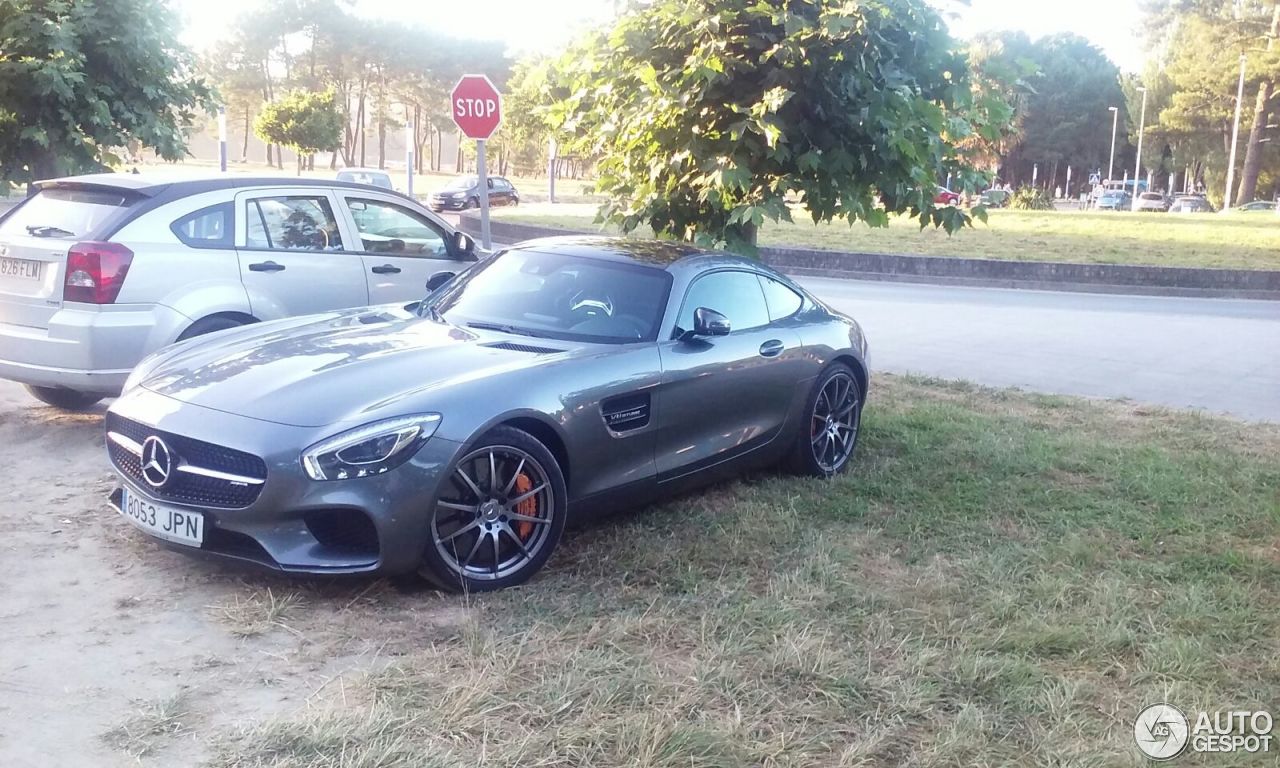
1002,579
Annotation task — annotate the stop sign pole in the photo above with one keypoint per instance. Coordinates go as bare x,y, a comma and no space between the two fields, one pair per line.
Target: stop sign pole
476,105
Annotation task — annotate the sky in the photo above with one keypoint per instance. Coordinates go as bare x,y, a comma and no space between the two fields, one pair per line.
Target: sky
546,25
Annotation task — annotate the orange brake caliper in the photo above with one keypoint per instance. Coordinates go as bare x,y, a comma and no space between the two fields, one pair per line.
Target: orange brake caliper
528,507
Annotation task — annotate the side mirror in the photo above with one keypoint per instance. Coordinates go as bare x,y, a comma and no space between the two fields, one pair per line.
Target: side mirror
438,280
708,322
463,246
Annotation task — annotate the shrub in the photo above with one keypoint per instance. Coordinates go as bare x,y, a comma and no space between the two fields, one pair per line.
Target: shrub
1031,199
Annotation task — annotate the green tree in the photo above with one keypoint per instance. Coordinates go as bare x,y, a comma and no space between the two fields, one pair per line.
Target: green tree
303,121
707,118
80,79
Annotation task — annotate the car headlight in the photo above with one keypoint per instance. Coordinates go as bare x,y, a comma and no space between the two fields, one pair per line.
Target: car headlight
369,450
458,195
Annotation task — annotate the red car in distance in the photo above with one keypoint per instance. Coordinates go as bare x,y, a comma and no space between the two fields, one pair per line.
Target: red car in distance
946,196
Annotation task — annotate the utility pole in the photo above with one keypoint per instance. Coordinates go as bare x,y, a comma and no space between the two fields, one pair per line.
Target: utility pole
1235,135
1115,120
1137,166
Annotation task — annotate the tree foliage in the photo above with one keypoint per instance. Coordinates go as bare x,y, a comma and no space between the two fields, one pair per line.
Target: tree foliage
304,121
709,119
81,79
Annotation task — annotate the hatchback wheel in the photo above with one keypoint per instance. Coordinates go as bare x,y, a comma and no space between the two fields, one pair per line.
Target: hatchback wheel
829,433
209,325
66,399
498,515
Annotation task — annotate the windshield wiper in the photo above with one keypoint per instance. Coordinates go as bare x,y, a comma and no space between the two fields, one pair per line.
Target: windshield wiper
505,329
45,230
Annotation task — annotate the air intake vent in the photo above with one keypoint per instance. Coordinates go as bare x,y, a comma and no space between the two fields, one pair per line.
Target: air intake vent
513,347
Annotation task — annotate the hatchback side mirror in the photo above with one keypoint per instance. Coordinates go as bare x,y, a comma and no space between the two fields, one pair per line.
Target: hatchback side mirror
708,322
438,280
463,246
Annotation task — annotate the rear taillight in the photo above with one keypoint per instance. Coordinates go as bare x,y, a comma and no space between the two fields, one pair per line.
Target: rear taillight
95,272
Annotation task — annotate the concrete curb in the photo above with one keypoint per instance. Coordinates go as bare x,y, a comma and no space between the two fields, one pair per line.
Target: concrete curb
990,273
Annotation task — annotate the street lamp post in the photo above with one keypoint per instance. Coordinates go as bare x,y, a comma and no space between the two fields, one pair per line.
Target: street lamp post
1235,134
1115,121
1137,166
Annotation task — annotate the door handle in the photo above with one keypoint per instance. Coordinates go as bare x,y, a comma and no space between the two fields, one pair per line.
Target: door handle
771,348
266,266
385,269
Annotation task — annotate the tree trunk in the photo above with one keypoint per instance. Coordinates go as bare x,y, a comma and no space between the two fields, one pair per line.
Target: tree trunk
1261,113
270,162
382,140
458,166
333,160
244,152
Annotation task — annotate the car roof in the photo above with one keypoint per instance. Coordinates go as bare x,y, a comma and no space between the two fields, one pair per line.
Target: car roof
665,254
151,185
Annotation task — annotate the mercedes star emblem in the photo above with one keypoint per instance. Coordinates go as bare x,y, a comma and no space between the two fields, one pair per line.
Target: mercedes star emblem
157,462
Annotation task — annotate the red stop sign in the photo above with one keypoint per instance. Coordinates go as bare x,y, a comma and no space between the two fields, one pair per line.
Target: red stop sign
476,106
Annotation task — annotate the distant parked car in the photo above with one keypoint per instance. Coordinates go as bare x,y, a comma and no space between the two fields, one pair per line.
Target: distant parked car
371,176
97,272
995,198
1190,204
1152,201
945,196
1258,206
464,192
1115,200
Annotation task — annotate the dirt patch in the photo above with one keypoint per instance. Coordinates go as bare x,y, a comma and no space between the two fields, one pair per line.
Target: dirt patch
114,651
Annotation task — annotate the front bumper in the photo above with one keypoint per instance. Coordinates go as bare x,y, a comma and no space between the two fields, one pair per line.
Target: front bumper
88,349
447,204
377,524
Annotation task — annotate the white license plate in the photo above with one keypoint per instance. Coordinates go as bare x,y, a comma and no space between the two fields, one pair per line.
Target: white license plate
177,525
20,268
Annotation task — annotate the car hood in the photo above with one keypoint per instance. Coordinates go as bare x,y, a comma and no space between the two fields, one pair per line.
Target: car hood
350,366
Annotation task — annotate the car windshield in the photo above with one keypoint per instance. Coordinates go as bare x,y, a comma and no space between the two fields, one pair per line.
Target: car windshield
561,297
65,212
462,182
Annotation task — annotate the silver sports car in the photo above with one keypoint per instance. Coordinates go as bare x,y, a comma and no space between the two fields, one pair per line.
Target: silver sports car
455,436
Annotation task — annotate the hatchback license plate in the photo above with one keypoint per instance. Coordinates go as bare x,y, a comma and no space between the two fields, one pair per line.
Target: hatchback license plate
24,269
176,525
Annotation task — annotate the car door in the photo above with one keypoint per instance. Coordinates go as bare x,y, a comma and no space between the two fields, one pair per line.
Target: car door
722,397
293,258
399,247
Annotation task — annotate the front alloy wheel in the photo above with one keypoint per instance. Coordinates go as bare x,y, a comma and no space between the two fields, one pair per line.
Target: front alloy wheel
830,434
498,516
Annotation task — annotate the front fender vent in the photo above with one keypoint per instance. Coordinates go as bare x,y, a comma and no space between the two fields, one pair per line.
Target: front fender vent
625,413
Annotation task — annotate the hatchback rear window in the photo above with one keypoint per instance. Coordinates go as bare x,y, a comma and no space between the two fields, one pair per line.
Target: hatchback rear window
65,213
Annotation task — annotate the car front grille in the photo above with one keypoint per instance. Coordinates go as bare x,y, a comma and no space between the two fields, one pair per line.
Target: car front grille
236,479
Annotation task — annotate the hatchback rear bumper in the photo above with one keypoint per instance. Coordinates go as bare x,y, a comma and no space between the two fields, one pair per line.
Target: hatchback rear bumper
87,348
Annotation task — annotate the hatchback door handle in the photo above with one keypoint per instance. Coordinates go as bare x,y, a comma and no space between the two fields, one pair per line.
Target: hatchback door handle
385,269
771,348
266,266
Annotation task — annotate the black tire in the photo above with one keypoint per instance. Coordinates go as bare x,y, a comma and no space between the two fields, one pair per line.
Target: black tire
474,511
473,203
825,429
66,399
210,325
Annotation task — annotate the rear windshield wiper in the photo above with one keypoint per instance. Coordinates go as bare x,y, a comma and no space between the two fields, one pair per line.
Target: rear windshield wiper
505,329
45,230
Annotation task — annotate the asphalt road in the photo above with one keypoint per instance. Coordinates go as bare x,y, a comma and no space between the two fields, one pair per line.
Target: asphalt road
1220,355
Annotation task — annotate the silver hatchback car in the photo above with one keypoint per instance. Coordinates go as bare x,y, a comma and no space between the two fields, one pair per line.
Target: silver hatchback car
97,272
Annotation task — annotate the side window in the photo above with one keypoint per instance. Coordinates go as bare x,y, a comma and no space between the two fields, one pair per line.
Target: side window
736,295
395,230
206,228
293,223
782,301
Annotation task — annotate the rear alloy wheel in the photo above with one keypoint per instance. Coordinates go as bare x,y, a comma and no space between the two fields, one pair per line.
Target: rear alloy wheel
498,515
830,431
66,399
